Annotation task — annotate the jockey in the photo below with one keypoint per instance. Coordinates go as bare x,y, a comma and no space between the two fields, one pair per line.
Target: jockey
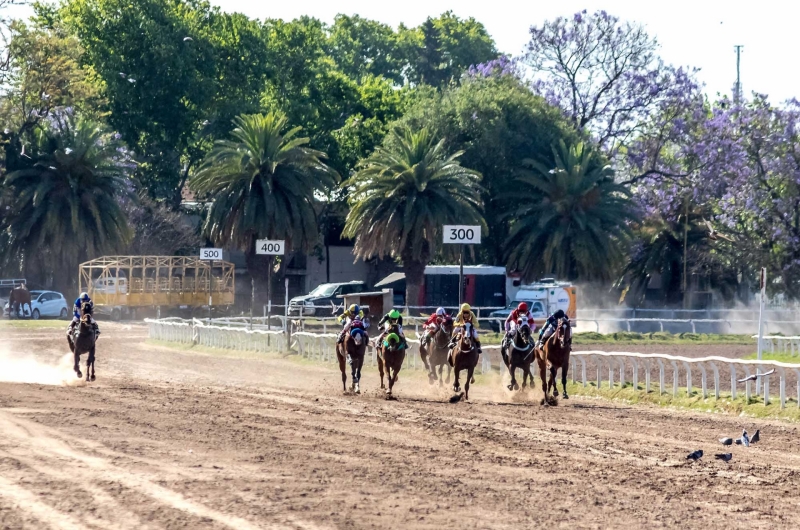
513,318
392,318
433,323
466,316
550,326
347,317
76,314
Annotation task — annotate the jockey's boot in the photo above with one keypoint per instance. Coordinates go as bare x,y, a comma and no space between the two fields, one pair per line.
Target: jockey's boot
340,339
71,328
96,330
478,345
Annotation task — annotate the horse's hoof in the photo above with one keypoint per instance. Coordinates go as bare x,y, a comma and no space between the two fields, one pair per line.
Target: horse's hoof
93,378
516,386
80,374
565,396
388,392
510,387
472,381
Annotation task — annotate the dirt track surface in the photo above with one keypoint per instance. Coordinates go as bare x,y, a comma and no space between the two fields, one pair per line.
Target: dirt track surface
172,439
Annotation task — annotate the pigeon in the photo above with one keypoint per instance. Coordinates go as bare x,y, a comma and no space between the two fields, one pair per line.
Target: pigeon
457,398
725,457
726,441
756,376
696,455
187,39
756,437
744,440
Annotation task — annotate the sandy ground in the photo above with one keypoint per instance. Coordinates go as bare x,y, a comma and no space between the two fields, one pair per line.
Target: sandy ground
174,439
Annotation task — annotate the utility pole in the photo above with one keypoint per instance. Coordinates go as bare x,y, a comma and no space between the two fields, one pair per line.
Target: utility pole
737,87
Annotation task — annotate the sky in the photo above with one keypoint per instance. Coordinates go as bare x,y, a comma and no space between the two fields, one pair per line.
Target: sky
698,33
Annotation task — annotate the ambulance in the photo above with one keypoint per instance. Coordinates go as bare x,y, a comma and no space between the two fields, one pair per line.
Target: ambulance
543,298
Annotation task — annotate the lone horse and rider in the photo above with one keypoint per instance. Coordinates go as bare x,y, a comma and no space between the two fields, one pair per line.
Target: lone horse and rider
18,298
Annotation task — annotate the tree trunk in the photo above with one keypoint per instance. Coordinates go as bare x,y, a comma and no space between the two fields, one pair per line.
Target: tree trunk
414,270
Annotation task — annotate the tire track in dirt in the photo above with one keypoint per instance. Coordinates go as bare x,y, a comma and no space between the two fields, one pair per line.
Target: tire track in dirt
83,469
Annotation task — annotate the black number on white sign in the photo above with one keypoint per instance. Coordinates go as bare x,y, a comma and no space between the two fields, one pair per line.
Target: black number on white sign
460,233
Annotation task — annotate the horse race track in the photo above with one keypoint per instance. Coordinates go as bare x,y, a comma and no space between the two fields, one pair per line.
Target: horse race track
176,439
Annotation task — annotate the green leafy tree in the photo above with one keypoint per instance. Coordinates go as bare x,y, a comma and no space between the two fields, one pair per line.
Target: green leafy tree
361,47
571,219
443,48
263,185
497,122
403,194
174,74
67,207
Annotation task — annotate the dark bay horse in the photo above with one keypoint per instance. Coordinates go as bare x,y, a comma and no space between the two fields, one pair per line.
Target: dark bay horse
464,356
353,347
82,340
519,354
436,352
554,354
391,353
17,299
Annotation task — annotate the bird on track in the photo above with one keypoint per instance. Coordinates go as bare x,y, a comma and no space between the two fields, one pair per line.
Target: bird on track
756,376
744,440
695,456
726,441
756,437
457,398
725,457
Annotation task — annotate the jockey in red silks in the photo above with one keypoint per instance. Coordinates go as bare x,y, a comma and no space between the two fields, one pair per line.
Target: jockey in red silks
513,318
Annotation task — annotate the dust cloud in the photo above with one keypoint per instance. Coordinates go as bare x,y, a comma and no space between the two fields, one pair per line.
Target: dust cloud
21,368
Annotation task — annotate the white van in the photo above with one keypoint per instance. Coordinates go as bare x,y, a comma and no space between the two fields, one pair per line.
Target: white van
543,298
111,285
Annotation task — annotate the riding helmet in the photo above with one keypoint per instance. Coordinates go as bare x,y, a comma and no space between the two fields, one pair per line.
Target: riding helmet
354,309
465,308
523,307
394,314
441,312
84,296
559,314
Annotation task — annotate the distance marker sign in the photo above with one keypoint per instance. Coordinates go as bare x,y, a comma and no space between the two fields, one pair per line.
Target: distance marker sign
214,254
462,234
270,248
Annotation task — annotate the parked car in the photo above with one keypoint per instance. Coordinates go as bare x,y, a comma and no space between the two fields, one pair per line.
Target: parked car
326,295
499,316
46,304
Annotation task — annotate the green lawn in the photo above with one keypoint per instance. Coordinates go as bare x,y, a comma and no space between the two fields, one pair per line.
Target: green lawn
623,337
779,357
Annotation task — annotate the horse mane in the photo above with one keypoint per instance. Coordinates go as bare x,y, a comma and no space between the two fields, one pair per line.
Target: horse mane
86,308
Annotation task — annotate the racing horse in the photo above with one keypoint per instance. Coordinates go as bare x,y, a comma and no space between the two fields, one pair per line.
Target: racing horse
352,350
436,352
391,353
17,299
82,340
518,353
464,356
554,354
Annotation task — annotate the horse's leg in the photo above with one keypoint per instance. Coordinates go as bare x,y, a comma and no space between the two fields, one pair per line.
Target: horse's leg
551,381
423,354
341,357
470,371
380,366
89,361
92,354
77,367
540,360
456,385
391,375
564,370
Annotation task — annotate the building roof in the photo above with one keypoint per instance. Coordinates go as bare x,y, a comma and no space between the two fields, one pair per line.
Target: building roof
392,278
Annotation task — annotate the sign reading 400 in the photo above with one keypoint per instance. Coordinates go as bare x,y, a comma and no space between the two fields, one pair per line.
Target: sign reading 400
272,248
463,234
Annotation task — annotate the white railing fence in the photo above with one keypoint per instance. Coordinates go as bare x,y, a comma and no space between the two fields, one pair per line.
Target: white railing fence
598,367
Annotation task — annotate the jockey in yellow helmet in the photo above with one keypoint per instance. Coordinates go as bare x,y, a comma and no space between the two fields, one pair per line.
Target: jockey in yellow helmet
466,316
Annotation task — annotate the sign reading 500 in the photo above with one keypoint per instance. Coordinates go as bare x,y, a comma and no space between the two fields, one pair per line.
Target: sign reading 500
272,248
462,234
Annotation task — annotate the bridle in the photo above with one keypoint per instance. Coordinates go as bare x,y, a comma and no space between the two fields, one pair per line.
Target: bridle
525,338
561,331
441,332
466,338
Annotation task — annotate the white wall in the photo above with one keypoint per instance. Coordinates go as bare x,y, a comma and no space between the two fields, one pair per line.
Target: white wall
342,268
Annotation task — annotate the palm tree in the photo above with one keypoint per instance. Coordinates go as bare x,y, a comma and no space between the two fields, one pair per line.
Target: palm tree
403,194
569,220
66,207
263,185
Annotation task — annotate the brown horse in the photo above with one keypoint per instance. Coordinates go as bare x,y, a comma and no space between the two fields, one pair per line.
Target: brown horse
82,340
352,350
464,356
554,355
17,299
519,353
391,354
436,352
